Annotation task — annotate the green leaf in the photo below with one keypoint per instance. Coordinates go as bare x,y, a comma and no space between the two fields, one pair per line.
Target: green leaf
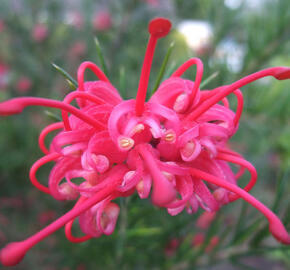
144,232
71,85
53,116
66,75
101,57
163,67
281,183
122,81
209,79
234,260
240,223
247,232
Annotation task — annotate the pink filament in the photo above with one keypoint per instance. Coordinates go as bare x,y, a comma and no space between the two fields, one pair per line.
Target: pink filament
279,73
36,166
98,72
240,106
16,105
275,225
14,252
226,103
228,151
77,94
243,163
199,72
43,134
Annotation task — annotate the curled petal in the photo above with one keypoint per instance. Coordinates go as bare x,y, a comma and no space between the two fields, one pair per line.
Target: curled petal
118,112
101,144
190,151
74,150
103,90
188,135
144,186
184,186
69,137
174,93
88,222
173,168
130,180
176,210
162,111
205,198
209,146
107,217
63,191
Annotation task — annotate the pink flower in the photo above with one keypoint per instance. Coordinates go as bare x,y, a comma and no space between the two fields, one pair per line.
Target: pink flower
2,26
2,237
102,20
174,146
4,76
212,244
14,202
39,32
81,267
153,3
171,247
205,220
46,216
198,240
76,19
77,49
23,85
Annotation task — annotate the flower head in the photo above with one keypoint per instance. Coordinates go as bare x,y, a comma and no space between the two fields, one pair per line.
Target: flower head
39,32
4,75
173,147
102,20
23,84
2,25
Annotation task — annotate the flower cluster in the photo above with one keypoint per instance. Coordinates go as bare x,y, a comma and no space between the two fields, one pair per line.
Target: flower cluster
174,146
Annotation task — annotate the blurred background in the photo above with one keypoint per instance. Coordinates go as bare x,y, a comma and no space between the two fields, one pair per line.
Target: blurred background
233,38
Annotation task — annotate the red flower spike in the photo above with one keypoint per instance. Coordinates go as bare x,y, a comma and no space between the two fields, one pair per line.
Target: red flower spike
172,145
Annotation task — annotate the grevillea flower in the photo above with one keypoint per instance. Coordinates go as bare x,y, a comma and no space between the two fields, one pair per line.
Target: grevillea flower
39,32
4,75
23,85
174,146
77,49
2,26
102,20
